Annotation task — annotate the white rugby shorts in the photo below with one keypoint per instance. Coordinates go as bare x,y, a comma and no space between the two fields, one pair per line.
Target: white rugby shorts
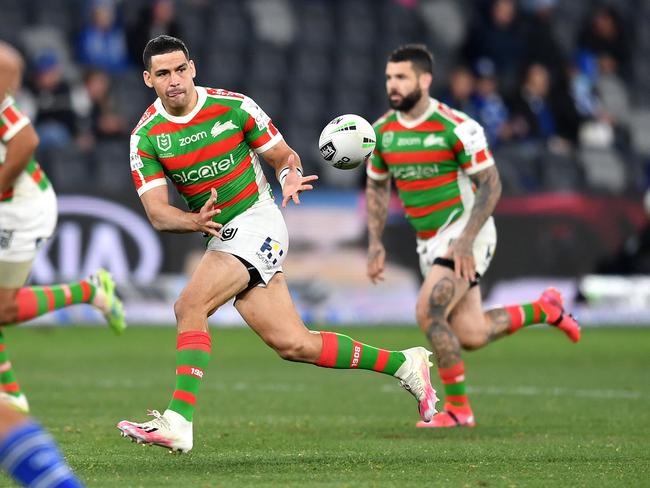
26,225
259,235
438,245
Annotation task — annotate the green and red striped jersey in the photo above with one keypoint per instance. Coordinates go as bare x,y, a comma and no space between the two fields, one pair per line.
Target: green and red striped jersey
214,146
32,179
430,159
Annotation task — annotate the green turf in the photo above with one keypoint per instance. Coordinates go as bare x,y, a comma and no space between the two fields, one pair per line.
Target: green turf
550,413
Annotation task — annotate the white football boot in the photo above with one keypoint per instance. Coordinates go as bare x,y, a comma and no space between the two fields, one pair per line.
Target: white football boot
18,402
170,430
414,377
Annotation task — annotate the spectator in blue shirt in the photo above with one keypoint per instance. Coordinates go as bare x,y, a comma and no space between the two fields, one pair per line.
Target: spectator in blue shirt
102,42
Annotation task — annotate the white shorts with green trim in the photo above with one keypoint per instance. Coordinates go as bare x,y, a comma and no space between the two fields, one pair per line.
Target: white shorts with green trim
26,225
259,236
437,246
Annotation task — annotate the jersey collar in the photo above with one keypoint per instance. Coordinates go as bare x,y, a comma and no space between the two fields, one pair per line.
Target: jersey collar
410,124
183,119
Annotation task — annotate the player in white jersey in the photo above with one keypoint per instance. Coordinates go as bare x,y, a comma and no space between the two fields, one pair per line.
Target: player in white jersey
245,253
27,219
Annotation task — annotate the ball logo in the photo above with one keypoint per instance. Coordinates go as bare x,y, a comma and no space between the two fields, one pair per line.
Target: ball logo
328,151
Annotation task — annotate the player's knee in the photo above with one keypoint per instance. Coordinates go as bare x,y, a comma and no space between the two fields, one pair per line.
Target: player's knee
291,350
434,306
294,351
471,342
425,313
421,316
8,312
183,308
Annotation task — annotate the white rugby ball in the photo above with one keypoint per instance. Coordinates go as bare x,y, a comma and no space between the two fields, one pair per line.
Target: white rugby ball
347,141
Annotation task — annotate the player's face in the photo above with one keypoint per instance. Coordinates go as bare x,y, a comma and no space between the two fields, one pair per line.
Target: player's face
404,86
172,77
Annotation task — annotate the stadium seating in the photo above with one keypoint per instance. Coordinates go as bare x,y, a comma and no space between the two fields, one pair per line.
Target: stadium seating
329,59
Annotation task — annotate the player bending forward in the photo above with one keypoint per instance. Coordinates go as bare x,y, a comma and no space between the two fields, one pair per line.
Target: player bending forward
206,140
437,155
27,220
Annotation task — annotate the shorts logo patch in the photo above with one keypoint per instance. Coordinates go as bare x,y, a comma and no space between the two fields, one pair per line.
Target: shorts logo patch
6,236
270,251
228,234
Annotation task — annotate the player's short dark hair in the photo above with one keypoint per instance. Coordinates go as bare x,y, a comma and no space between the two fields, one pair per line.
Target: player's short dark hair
162,44
418,54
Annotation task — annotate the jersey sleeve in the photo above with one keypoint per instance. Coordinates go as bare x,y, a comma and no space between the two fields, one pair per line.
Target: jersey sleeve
146,170
11,119
259,131
471,147
376,168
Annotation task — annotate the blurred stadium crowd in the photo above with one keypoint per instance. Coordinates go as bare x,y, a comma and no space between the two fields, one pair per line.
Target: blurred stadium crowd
561,86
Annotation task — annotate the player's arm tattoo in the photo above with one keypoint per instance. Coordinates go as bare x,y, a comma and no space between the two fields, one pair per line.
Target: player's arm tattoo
377,198
488,192
498,324
444,342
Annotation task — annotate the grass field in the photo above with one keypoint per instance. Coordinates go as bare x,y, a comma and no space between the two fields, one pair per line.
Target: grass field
550,413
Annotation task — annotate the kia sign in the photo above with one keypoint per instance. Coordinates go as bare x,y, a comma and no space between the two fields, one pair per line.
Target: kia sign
93,233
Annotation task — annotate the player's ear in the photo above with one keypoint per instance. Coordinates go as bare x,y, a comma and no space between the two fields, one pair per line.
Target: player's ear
425,81
192,68
146,76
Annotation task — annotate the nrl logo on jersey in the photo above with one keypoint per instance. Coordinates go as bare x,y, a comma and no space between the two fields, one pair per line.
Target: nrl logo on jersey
387,138
219,128
164,142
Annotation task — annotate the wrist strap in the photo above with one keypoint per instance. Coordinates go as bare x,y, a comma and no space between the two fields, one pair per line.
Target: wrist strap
282,176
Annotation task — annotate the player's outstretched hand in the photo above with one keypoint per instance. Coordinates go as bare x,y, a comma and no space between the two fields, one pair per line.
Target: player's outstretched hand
295,183
376,262
460,250
204,220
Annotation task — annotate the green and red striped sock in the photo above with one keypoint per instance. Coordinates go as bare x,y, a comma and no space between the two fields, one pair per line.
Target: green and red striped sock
192,357
524,315
342,352
453,380
8,383
34,301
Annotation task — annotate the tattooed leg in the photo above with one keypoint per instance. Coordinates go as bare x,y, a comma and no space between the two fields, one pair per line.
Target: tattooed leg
498,324
444,342
438,296
475,327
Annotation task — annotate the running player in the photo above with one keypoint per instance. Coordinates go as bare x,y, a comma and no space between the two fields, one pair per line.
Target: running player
204,140
448,183
27,220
